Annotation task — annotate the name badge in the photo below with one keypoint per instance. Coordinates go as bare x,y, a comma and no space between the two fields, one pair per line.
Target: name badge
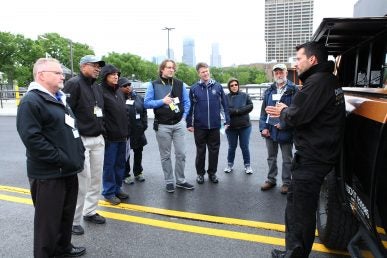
176,100
75,133
172,106
276,97
98,111
138,116
129,102
69,121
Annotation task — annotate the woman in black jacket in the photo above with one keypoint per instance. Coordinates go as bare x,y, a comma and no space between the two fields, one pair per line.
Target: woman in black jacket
138,123
239,107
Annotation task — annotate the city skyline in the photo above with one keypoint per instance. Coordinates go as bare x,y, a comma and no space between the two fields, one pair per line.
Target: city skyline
137,27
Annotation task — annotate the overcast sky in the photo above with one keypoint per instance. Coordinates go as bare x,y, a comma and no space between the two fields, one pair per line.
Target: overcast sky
136,26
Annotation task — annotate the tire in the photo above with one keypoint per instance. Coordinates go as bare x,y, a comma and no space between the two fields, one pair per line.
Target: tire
335,223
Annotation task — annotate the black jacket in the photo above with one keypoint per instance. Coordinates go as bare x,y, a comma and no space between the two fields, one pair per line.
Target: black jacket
52,150
318,115
115,115
239,107
138,120
84,95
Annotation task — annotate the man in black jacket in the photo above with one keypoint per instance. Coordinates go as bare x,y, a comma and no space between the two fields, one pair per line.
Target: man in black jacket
55,155
85,99
317,115
116,121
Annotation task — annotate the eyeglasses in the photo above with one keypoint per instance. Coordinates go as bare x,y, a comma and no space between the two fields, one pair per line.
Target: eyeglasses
234,84
54,72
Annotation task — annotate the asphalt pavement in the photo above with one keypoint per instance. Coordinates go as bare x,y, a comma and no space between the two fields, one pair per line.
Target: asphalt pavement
230,219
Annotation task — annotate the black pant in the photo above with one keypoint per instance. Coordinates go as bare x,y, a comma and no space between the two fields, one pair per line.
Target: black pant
207,138
137,163
302,200
55,201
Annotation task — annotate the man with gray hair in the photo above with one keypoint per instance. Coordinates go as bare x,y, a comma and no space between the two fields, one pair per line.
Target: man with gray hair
274,132
55,155
86,100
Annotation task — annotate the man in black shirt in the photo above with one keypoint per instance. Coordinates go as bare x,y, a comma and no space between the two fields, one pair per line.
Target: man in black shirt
317,115
85,99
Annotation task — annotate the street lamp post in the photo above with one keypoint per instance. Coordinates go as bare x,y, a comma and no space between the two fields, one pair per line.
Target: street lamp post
71,57
168,29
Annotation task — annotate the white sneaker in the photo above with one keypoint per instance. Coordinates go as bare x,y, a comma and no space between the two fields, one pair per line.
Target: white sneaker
129,180
228,169
248,170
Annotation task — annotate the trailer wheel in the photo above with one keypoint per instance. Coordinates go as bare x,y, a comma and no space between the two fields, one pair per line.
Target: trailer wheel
335,224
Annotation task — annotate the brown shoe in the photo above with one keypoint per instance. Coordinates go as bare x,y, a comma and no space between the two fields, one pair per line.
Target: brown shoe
267,185
284,189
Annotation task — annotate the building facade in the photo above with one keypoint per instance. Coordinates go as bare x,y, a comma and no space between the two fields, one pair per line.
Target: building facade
216,59
189,52
368,8
288,23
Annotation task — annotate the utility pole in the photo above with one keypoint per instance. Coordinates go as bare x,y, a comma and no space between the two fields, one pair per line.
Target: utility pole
71,58
168,29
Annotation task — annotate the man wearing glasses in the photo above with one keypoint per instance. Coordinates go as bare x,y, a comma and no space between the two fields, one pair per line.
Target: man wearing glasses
86,100
53,160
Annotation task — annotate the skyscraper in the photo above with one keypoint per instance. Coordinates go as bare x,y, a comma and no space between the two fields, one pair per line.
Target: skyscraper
189,52
215,56
288,23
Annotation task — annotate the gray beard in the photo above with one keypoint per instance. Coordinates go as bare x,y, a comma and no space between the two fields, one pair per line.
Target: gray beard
280,81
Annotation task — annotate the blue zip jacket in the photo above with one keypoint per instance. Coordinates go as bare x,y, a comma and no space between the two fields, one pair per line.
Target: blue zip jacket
207,102
285,134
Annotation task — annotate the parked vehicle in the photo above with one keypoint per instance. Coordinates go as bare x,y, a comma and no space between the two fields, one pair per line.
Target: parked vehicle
352,211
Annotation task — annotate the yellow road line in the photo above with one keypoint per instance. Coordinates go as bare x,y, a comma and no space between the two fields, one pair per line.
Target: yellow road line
182,214
189,228
174,213
197,216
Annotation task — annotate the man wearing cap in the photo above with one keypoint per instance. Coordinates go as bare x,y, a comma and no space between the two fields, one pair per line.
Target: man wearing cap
86,100
276,133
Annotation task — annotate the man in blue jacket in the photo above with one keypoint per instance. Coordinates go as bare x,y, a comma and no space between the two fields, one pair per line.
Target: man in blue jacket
204,120
276,133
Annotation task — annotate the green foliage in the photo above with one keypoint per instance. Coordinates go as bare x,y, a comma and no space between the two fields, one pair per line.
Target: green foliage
18,54
186,73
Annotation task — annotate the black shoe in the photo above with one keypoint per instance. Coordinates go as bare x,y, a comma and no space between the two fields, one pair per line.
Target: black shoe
96,218
214,179
200,179
278,253
122,196
77,230
185,185
114,200
170,188
75,251
295,253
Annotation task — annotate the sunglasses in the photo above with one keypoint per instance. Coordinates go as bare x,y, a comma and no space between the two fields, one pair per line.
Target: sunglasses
234,84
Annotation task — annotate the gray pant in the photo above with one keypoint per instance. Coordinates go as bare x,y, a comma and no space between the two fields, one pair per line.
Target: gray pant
165,135
272,151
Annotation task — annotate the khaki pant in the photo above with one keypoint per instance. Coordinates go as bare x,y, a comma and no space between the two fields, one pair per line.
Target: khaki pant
90,178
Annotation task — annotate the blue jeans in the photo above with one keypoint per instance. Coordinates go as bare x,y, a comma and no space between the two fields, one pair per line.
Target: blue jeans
113,168
244,139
